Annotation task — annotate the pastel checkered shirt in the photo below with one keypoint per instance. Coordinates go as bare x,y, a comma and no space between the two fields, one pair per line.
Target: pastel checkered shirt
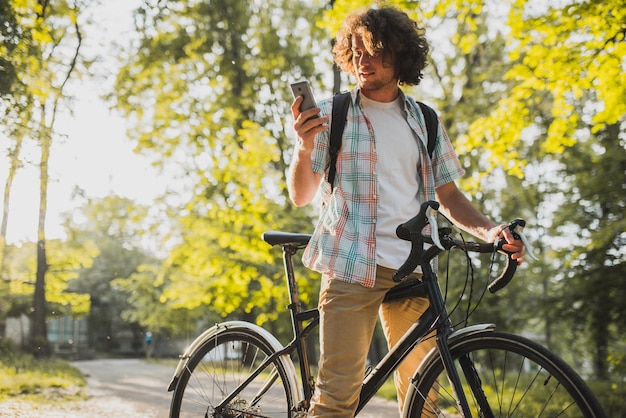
343,244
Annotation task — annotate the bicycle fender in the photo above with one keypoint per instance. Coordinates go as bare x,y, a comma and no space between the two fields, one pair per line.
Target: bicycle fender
230,325
471,330
433,354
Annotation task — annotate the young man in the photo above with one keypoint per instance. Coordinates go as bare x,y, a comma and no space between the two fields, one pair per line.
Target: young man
383,174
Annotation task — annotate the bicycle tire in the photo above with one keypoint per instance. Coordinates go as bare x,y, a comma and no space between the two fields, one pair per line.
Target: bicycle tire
222,362
535,383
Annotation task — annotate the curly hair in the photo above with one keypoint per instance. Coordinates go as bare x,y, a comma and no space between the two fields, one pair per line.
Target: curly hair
391,31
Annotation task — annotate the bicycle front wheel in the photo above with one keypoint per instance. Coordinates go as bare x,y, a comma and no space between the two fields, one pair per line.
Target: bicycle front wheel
218,368
502,375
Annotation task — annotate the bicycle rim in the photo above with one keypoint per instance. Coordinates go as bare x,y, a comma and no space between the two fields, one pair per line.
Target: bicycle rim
514,376
219,366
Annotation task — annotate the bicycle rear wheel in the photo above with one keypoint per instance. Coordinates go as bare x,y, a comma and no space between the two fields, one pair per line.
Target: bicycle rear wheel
503,375
219,366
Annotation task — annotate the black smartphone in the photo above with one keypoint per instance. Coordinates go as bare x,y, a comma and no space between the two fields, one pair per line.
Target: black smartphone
303,88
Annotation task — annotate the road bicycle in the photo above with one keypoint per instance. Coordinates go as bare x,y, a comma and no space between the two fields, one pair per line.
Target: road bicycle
238,369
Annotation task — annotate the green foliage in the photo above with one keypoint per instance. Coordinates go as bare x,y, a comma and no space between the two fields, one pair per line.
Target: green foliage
593,290
64,263
45,41
114,228
546,98
227,227
8,42
531,94
567,62
224,64
612,396
144,305
216,113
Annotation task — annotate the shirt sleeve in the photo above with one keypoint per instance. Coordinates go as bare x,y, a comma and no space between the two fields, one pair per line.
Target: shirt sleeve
320,157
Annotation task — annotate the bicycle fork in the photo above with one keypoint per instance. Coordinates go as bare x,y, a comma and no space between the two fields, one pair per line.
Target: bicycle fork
455,380
444,331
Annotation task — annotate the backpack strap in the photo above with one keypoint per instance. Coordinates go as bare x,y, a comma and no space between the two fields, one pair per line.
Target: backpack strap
432,122
337,124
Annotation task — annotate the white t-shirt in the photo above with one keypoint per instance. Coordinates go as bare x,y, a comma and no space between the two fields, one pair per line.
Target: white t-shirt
398,160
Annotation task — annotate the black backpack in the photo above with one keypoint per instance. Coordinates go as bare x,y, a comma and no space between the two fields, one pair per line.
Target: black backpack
341,103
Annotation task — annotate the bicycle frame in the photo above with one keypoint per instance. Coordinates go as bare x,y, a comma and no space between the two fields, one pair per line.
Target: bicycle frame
435,317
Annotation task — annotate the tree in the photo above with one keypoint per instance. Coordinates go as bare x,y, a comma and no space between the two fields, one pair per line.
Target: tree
558,113
207,85
114,229
570,84
50,29
39,67
562,53
9,39
11,128
592,285
65,262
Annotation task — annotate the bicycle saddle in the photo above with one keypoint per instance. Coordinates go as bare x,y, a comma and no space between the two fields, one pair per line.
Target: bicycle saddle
285,238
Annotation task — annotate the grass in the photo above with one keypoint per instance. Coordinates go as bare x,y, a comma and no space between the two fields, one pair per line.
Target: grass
23,376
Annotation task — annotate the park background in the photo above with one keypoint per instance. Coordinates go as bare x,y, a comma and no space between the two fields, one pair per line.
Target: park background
144,146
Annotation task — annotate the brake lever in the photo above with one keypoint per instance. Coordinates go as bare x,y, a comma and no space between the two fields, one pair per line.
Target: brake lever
431,215
517,228
528,247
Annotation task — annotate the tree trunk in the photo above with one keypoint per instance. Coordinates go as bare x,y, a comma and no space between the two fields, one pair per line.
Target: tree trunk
41,346
4,278
15,162
599,335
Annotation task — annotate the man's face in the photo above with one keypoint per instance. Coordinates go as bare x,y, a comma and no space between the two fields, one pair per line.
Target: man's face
374,76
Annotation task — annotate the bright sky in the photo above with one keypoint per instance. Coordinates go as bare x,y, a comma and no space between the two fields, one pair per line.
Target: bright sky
95,155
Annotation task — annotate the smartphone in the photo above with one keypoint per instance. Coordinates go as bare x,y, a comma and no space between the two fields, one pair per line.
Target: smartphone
303,88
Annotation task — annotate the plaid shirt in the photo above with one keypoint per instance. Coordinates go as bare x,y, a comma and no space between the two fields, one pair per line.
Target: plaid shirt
343,245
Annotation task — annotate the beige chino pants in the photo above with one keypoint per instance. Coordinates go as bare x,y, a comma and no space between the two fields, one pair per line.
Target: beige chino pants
348,314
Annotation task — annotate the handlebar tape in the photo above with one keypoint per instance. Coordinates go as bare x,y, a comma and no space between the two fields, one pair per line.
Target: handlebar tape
508,273
411,230
511,265
410,264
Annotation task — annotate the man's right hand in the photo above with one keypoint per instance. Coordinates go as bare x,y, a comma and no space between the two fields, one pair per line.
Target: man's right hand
306,125
302,182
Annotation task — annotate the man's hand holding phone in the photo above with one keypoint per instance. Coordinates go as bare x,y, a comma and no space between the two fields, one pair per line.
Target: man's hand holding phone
307,122
302,181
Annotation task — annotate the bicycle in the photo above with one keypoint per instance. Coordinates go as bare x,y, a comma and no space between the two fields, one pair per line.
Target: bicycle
238,369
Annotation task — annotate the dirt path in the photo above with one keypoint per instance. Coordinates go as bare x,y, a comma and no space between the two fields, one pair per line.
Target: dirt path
130,388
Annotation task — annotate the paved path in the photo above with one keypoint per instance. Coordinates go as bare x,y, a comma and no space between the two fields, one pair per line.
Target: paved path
132,388
140,385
